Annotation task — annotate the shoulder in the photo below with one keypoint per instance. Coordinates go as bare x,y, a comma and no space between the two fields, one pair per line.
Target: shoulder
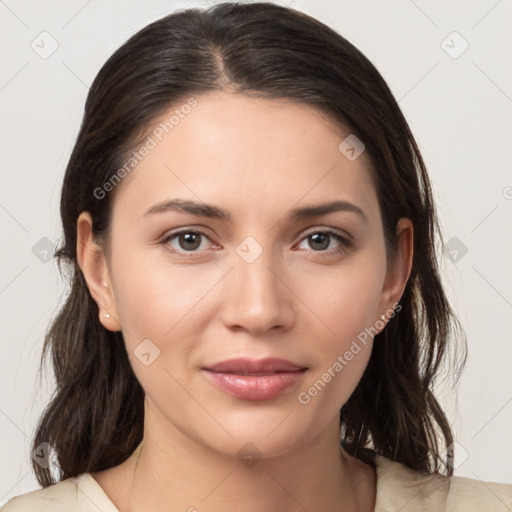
467,492
400,488
80,494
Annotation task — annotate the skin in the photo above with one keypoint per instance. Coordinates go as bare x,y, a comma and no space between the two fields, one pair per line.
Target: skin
258,159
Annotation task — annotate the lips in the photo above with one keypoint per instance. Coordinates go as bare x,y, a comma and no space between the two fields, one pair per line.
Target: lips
250,379
245,366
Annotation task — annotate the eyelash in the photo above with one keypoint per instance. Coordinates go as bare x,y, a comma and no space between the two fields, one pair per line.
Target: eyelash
345,243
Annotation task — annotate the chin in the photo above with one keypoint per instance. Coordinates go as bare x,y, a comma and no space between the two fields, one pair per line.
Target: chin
263,435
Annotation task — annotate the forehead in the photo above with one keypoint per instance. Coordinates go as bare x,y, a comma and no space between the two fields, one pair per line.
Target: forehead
248,152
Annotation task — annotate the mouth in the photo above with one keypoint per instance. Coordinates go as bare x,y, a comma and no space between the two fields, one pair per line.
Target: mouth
250,379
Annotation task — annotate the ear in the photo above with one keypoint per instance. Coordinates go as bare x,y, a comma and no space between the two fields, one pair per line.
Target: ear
399,269
93,263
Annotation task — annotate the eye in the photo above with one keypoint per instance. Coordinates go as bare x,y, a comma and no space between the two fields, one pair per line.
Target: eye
187,241
321,240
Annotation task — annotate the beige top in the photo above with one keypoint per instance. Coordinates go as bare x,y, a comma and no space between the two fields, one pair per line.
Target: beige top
398,489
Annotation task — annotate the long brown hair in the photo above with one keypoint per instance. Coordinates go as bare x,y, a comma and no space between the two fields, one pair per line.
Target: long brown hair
94,420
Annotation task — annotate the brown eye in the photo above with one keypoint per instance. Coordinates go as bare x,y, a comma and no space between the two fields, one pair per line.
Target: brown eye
319,241
187,241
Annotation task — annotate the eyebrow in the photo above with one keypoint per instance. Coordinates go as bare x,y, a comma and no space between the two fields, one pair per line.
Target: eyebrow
214,212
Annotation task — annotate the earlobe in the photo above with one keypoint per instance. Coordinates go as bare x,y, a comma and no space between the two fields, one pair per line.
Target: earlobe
92,262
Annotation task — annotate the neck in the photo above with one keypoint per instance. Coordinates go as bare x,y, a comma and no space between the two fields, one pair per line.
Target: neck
175,473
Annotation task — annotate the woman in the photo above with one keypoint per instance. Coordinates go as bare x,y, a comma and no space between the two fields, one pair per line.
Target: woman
256,316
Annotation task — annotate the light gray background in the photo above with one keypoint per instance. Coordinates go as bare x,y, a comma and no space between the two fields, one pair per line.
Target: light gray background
458,108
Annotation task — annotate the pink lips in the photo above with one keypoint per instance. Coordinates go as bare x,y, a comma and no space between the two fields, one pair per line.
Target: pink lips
251,379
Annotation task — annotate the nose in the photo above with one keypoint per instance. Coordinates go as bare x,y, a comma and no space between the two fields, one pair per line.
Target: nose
256,296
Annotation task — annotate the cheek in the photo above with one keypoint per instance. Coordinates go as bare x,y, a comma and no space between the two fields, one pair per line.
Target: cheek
345,301
155,302
159,299
344,338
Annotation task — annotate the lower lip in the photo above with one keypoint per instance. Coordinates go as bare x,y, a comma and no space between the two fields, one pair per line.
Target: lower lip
255,387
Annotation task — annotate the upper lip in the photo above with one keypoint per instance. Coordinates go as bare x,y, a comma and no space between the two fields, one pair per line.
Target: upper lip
246,365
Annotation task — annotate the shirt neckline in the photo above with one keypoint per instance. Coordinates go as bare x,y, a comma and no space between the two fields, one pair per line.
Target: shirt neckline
88,484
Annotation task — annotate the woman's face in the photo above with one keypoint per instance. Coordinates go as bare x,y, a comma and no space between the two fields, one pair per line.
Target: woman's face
249,276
